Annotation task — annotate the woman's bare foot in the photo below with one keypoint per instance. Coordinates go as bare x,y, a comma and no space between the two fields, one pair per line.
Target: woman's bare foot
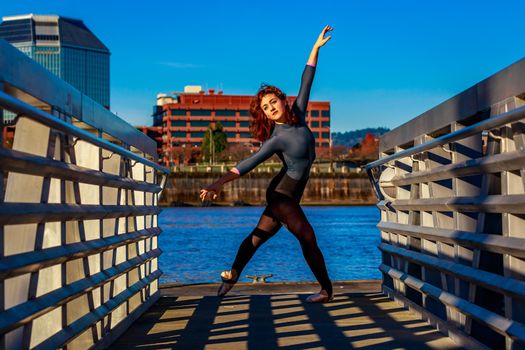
229,278
321,297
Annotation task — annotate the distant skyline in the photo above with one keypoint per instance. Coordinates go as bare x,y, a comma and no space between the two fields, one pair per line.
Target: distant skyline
386,63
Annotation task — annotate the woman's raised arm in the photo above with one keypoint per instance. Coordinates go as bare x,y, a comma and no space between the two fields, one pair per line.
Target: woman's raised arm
301,102
321,40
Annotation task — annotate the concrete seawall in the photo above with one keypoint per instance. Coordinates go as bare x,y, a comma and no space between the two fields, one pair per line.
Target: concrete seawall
250,189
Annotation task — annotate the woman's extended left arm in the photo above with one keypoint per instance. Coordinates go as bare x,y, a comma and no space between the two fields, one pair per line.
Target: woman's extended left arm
301,102
268,148
321,40
216,187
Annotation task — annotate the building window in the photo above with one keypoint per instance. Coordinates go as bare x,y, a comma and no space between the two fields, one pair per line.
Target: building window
178,134
200,123
314,113
325,135
200,112
178,112
325,113
228,123
178,123
325,124
47,37
246,135
230,135
225,113
244,113
244,124
197,134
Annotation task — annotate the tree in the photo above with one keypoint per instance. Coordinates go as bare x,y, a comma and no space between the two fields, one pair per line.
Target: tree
177,154
220,141
369,147
365,151
195,155
234,153
339,151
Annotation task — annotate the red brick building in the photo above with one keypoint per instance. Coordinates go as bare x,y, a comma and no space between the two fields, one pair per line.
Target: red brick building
182,118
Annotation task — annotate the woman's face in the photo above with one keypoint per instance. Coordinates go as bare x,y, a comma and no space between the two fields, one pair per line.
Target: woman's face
273,107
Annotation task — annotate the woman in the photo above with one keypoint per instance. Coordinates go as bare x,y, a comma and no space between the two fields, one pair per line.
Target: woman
285,133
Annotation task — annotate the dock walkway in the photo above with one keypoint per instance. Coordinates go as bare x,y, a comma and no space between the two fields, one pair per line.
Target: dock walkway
275,315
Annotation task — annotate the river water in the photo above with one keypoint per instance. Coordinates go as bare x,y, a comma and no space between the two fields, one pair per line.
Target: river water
199,242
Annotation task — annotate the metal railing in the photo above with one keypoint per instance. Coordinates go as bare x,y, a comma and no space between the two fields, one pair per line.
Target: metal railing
79,191
450,186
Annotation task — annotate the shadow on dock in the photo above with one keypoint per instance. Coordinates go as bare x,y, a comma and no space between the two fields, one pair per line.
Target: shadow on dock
276,315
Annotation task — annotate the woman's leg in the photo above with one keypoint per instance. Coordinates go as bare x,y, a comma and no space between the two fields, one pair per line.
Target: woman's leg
267,227
290,213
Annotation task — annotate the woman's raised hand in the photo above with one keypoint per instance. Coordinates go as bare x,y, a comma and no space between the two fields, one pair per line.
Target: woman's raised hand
322,40
215,188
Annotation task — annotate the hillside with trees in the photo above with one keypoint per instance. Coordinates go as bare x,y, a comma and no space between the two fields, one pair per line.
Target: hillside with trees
353,137
356,147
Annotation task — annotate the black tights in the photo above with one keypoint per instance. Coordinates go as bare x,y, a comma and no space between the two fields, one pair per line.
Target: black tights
282,209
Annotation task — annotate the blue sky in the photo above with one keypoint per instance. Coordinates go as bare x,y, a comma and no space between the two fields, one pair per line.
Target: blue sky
387,61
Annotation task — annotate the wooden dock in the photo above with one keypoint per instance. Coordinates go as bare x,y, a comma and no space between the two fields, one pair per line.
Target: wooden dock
275,315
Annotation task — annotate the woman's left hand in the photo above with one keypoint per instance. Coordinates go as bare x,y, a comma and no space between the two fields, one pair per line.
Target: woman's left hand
215,188
322,40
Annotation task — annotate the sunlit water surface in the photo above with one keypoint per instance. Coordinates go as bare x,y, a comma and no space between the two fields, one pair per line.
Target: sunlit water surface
199,242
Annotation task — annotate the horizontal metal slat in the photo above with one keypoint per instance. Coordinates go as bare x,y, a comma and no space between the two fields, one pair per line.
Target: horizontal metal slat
15,105
23,313
15,265
488,164
504,245
25,78
487,124
74,329
498,323
26,213
498,283
514,203
26,163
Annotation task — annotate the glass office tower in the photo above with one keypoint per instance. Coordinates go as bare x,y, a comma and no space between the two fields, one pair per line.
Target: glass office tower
66,47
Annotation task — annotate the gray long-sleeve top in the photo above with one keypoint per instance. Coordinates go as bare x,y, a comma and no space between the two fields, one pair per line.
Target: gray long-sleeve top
294,144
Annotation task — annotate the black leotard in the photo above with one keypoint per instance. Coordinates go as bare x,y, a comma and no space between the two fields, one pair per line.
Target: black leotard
294,144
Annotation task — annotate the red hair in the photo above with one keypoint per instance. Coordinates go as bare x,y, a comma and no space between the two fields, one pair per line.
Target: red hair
261,126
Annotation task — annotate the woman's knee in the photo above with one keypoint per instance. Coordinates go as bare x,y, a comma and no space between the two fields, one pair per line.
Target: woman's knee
301,228
260,236
304,233
309,242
